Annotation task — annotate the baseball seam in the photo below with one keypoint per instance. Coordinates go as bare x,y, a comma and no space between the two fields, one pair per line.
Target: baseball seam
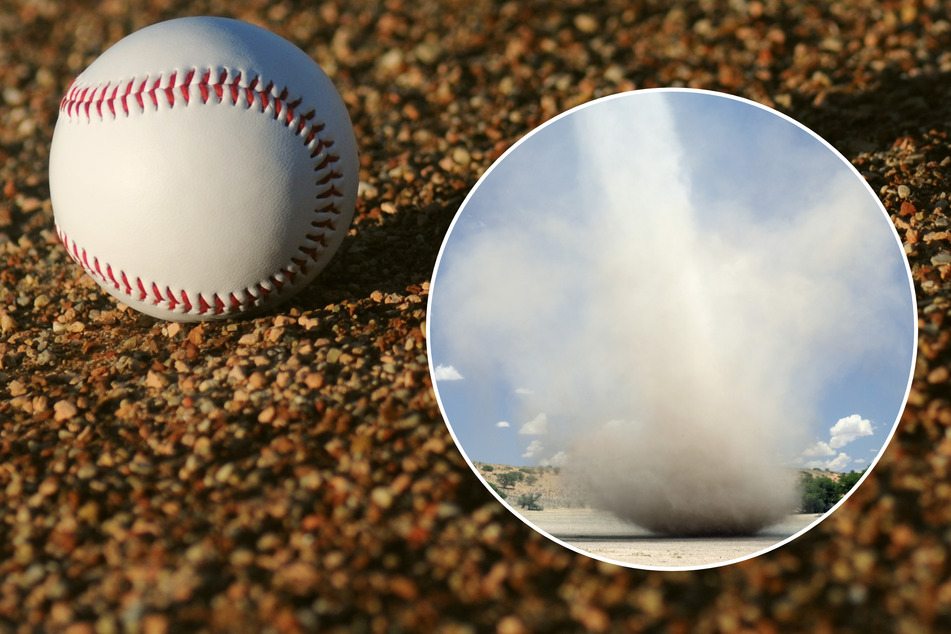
225,87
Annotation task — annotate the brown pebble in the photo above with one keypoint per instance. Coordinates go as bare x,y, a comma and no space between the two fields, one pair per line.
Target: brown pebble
939,375
314,380
586,23
156,380
16,388
64,410
257,380
155,624
7,324
511,624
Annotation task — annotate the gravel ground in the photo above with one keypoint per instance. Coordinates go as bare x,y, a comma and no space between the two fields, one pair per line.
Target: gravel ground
292,472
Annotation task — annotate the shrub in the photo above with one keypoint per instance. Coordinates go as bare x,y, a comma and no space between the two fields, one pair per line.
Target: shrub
508,479
530,501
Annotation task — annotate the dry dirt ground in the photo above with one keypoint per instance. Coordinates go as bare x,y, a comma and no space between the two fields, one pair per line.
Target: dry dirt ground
604,536
291,472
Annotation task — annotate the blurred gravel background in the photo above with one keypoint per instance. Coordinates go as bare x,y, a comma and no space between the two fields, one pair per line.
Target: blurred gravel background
292,472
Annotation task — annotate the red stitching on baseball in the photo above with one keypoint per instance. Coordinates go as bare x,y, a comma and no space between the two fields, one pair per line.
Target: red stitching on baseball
327,160
330,193
170,91
235,88
138,95
151,93
203,86
127,287
318,238
87,101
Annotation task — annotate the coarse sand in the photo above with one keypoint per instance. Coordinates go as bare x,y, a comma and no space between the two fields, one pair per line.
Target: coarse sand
291,472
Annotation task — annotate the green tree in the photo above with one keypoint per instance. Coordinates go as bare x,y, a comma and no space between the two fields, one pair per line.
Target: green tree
488,467
502,494
848,481
818,494
530,501
507,480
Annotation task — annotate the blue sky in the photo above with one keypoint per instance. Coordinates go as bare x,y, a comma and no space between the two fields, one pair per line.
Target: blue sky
672,260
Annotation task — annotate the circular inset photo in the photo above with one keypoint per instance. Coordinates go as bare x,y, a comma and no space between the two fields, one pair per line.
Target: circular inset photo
672,329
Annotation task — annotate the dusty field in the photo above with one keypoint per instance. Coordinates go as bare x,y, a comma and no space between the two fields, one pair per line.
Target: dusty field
556,490
567,517
604,536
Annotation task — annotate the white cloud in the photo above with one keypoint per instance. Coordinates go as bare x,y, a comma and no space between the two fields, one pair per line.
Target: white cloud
839,463
446,373
503,423
819,449
523,390
842,433
848,429
534,448
558,460
535,427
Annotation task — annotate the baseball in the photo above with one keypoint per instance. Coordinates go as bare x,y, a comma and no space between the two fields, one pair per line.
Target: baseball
201,168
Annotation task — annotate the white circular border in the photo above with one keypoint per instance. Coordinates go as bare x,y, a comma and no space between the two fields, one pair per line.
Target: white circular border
778,544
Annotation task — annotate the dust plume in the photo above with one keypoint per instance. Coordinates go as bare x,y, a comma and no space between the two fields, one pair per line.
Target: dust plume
674,315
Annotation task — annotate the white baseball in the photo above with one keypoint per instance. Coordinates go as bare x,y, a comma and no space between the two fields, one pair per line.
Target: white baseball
203,167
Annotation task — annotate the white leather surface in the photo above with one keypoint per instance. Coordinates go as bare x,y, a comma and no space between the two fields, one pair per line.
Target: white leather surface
210,196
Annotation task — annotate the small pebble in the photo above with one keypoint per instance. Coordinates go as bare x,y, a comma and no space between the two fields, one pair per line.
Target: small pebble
64,410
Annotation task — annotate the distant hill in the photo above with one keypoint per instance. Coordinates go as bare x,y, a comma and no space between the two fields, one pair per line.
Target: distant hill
822,473
548,481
